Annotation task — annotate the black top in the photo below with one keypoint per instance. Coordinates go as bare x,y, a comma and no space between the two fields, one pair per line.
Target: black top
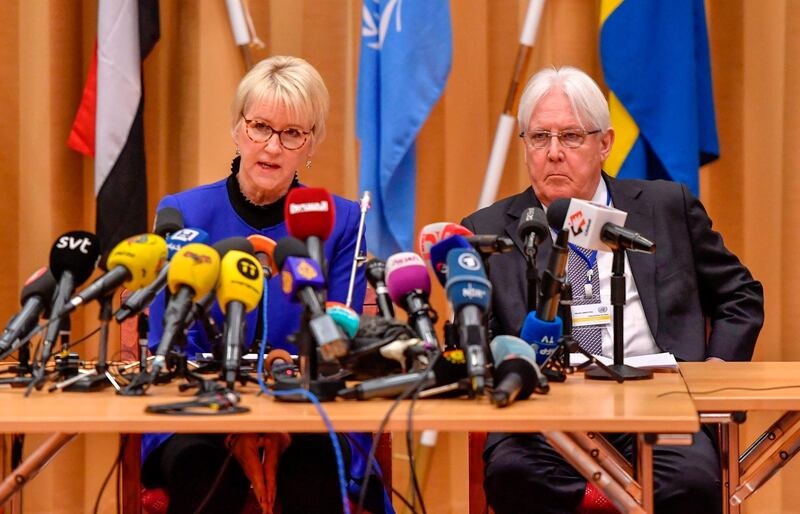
257,216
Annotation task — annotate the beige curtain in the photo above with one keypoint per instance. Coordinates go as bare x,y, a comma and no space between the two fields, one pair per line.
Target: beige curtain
189,82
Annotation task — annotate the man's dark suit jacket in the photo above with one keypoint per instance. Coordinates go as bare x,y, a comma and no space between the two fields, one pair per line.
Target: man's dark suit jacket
691,278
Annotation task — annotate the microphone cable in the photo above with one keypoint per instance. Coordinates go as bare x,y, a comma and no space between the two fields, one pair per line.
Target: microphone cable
337,449
414,388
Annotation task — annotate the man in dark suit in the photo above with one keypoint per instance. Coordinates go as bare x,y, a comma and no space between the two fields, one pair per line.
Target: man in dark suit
691,284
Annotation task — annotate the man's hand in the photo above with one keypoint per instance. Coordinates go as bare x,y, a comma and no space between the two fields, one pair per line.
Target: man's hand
714,359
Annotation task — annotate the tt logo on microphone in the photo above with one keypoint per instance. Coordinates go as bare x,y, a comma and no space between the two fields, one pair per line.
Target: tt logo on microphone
247,269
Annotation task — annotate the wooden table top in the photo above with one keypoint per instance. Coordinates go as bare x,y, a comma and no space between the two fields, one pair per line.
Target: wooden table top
576,405
704,379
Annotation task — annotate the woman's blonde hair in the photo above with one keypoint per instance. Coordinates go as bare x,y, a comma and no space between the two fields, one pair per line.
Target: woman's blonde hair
287,81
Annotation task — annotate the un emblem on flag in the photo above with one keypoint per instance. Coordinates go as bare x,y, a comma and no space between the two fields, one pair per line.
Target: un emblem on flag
376,23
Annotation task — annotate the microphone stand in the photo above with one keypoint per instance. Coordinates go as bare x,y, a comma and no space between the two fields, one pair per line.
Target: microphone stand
618,302
324,388
101,377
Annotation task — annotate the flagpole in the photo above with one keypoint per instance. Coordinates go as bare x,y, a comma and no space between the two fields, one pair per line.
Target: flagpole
244,33
505,125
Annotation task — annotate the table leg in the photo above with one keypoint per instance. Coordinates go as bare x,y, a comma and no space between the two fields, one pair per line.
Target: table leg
31,466
644,469
733,466
582,461
764,443
610,460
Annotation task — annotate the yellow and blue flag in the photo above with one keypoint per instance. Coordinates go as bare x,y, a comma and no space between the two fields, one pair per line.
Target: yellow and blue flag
655,59
406,53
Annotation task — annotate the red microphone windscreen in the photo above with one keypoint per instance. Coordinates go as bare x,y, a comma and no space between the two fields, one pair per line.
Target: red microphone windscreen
309,211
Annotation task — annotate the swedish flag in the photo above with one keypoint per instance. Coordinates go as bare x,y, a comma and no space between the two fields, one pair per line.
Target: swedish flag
656,64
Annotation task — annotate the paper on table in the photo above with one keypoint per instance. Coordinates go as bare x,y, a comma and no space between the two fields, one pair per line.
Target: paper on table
663,360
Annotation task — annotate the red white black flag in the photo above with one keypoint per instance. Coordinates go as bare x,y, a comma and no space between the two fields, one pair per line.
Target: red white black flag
109,124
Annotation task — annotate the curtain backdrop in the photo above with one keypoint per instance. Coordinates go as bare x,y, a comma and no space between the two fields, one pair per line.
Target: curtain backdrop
190,79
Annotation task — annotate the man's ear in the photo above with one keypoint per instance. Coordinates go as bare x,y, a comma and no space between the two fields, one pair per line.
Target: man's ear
606,142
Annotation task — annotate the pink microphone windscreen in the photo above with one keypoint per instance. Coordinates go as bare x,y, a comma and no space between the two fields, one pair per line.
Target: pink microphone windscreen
405,272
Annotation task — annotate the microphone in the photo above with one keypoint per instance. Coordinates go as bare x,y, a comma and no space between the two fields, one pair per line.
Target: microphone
241,285
597,227
192,274
409,285
432,233
310,215
134,263
35,298
488,244
344,316
139,300
167,221
73,258
516,373
532,229
439,253
469,292
264,251
375,271
301,279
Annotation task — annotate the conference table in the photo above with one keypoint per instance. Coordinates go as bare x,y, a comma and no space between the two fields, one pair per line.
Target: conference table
571,416
724,392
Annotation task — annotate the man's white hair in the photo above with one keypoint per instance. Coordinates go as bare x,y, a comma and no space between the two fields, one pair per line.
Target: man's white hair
588,102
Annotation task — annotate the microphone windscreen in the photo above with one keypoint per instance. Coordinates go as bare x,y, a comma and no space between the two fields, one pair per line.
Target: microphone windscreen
263,248
195,265
77,252
533,221
168,220
433,233
41,283
541,335
183,237
406,272
375,271
309,211
241,244
240,280
466,280
344,316
143,256
289,247
512,355
557,213
439,253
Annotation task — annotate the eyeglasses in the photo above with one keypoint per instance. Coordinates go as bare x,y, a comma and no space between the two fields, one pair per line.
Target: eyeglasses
571,138
290,138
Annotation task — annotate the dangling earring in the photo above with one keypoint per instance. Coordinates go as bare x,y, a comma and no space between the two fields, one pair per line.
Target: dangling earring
237,150
308,164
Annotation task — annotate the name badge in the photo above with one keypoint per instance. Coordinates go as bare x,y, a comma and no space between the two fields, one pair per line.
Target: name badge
591,315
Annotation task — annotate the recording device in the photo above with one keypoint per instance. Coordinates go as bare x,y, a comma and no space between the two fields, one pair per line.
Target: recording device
597,227
35,299
375,271
134,263
409,285
469,292
264,251
301,280
168,220
240,287
440,251
310,216
433,233
192,274
139,300
516,374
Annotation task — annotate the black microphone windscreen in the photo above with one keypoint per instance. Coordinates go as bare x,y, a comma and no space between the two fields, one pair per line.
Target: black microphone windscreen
557,213
289,247
533,221
224,246
168,221
375,271
76,252
42,283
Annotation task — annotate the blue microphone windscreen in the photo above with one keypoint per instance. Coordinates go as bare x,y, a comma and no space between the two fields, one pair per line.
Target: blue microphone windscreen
439,253
503,346
183,237
466,280
541,335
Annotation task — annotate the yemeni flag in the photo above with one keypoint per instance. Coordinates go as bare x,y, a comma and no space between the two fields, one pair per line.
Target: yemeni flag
108,125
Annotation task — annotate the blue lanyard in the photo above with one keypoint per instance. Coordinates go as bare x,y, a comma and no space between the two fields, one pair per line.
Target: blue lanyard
591,259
